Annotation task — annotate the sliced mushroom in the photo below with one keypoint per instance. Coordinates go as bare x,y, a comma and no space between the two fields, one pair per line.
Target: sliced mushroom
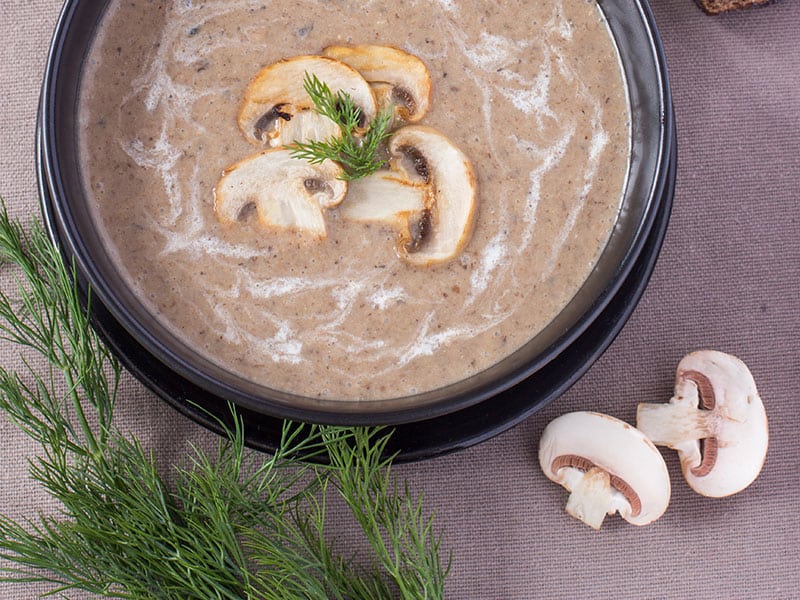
715,420
276,96
286,192
389,199
607,465
422,154
400,80
383,197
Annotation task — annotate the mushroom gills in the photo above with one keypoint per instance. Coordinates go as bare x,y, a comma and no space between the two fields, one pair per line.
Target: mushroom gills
397,101
270,121
287,193
410,161
419,228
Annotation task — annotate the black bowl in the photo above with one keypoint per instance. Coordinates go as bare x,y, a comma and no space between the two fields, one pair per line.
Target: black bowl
648,191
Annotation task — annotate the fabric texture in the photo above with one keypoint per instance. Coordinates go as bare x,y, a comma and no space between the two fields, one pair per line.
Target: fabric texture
727,279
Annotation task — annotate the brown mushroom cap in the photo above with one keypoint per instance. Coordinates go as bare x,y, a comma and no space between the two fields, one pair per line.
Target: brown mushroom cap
715,420
277,94
607,465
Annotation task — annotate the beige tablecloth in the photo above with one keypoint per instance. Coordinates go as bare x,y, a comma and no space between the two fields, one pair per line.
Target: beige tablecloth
728,278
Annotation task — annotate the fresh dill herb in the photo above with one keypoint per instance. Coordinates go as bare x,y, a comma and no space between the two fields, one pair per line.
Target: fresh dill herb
234,524
358,154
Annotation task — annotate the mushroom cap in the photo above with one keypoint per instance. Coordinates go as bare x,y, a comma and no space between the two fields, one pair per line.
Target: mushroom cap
579,441
281,85
736,422
288,193
407,75
438,162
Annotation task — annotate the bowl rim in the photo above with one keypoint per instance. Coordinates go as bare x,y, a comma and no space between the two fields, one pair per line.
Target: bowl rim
389,411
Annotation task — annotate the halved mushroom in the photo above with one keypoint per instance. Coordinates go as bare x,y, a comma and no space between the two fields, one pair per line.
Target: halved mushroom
715,420
424,155
288,193
607,465
400,80
276,96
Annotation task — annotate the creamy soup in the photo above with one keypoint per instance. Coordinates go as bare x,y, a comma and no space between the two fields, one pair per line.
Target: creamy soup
531,92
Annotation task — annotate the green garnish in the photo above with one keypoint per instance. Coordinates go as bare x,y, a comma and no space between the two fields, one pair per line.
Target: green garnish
357,154
233,525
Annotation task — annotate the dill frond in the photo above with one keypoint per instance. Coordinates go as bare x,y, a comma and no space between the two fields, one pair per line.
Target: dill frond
235,524
358,154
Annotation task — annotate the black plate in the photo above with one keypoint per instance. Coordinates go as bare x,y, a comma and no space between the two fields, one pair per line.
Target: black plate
417,440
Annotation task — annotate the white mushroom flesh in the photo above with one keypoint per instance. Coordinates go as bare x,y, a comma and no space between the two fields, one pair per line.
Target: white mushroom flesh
592,496
287,193
401,80
304,126
278,92
607,466
384,197
715,420
424,154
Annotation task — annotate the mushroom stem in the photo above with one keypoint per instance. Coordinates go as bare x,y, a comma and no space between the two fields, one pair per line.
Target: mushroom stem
673,424
590,497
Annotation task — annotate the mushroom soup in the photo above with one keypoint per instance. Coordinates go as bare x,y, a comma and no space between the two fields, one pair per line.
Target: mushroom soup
531,92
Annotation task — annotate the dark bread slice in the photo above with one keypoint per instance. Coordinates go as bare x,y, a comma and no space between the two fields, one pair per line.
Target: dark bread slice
714,7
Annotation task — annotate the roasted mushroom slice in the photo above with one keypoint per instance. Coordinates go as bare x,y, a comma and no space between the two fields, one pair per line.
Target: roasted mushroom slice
715,420
423,154
387,198
400,80
277,96
288,193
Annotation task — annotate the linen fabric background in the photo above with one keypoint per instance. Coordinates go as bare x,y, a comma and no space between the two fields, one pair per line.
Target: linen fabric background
727,279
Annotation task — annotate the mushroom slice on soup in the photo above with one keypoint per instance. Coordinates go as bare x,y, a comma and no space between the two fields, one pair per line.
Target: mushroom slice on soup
401,81
277,96
285,192
424,154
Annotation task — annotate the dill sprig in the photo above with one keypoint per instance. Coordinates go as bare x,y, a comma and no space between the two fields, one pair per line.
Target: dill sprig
358,154
233,524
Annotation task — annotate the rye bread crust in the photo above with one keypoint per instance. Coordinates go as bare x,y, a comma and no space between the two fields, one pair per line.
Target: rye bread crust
715,7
